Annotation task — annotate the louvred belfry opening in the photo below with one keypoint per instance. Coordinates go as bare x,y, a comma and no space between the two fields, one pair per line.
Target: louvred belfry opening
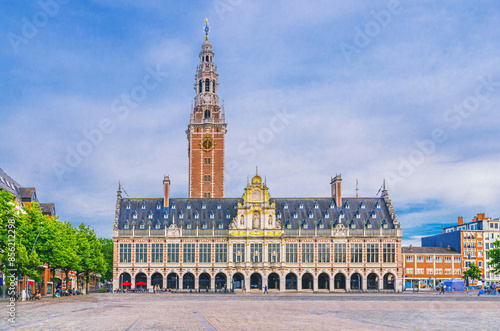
206,130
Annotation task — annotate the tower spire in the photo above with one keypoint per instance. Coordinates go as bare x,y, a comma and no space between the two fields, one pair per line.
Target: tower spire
206,29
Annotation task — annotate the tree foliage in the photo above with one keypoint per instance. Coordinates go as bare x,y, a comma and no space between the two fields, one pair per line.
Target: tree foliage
473,272
28,239
495,257
107,251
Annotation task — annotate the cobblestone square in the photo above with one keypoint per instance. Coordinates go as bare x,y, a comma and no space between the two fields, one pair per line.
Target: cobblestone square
255,311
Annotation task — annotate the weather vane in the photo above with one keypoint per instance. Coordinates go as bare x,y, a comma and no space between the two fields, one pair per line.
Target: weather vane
206,29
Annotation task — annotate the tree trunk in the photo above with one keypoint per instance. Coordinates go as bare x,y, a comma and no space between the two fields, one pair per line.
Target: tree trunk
86,282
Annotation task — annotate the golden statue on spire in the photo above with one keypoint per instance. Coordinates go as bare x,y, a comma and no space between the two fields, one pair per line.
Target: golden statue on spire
206,29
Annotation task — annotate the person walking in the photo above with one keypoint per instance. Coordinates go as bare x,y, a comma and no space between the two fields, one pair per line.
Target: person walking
265,289
443,288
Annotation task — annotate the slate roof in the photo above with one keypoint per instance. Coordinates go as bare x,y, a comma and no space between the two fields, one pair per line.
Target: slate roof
429,250
223,210
9,184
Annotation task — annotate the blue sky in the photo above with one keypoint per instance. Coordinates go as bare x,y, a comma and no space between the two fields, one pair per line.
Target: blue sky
407,91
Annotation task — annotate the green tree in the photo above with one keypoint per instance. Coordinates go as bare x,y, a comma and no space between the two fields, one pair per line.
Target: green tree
107,252
495,257
92,260
18,235
473,272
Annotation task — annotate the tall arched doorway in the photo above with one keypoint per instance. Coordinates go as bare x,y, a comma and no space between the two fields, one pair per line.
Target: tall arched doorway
256,281
291,281
125,280
307,281
356,281
204,281
157,279
339,281
173,281
141,281
323,281
273,281
238,281
220,281
372,282
188,281
389,281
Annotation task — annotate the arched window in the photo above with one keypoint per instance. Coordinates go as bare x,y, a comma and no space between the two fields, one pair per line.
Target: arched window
207,113
206,58
200,86
207,85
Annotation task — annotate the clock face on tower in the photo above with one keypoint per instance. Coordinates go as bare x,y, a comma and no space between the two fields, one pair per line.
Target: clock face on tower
207,144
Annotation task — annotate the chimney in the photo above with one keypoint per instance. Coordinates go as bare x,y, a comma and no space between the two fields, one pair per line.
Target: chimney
337,190
460,220
166,191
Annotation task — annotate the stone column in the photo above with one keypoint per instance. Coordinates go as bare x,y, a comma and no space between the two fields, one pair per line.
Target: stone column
299,283
282,283
380,283
196,282
148,280
247,282
265,254
315,283
264,282
212,283
165,281
347,283
364,283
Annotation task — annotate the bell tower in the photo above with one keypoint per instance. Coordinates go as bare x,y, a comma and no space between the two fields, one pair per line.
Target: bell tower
206,130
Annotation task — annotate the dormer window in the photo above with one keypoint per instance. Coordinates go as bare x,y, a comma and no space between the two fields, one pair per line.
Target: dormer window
220,225
384,224
295,215
128,205
228,216
150,216
285,205
332,205
362,205
358,215
142,226
203,206
288,224
157,225
321,225
373,214
341,214
212,216
235,206
278,214
126,226
377,205
188,206
196,215
158,205
352,225
218,205
143,205
134,216
204,225
368,224
304,225
301,205
165,216
346,205
181,215
316,205
311,215
188,224
326,214
173,205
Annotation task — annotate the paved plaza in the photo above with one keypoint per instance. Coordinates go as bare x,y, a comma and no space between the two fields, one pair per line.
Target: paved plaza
255,311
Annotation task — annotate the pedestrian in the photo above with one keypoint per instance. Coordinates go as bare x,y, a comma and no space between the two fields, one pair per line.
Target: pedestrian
443,288
265,289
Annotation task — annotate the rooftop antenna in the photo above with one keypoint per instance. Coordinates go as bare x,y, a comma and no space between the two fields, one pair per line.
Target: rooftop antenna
357,188
123,189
